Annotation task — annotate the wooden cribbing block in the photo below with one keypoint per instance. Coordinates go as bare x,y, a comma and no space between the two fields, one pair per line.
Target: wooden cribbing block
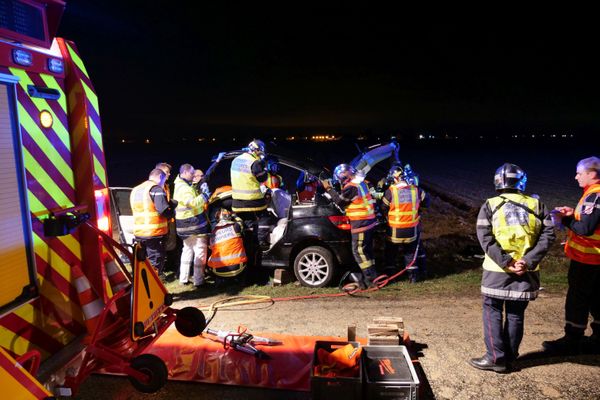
384,340
351,333
389,321
382,330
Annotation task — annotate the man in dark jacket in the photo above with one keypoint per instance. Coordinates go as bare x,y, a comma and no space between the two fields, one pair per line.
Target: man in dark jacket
515,232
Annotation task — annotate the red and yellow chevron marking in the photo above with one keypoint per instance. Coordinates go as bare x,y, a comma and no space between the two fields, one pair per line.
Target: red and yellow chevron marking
55,317
18,383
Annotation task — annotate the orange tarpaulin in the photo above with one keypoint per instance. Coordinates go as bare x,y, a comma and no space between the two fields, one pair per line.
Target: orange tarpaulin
201,359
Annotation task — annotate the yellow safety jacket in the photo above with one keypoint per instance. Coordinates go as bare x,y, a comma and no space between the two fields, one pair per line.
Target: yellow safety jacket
584,249
404,208
516,230
189,214
147,222
362,206
243,182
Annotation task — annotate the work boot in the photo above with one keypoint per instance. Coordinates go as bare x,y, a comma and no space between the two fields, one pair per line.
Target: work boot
486,364
591,344
565,345
369,275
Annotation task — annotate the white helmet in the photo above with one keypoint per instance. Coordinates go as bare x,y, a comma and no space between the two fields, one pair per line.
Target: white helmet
343,173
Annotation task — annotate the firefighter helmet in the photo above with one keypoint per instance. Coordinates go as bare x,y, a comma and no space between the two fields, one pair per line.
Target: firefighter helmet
396,173
257,147
343,173
510,176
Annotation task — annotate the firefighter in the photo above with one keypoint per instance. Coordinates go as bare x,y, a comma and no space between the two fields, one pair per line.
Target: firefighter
583,248
227,254
192,224
403,202
515,232
274,180
358,204
172,257
307,186
151,212
247,173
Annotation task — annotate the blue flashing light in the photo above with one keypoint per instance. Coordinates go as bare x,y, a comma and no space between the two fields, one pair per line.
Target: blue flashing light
22,57
55,65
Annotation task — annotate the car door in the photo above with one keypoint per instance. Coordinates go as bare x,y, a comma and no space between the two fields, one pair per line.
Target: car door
122,214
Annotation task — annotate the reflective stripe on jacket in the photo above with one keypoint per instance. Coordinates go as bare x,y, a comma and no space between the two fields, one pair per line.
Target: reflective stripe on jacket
515,222
227,249
362,205
404,208
244,184
189,214
584,249
147,222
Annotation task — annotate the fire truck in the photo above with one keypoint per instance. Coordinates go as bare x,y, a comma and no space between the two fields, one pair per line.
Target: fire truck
51,159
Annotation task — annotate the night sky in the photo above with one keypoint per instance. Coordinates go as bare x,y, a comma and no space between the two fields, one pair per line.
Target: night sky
174,69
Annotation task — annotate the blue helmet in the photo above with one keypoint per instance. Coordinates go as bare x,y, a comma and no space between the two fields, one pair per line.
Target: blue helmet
257,147
510,176
343,173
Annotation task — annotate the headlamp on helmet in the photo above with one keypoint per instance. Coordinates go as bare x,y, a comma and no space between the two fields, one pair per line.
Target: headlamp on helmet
510,176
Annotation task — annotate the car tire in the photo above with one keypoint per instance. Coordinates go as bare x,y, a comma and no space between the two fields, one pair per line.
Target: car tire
314,267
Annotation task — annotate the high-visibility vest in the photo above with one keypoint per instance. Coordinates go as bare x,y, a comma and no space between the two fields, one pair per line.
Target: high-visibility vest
243,182
147,222
404,208
227,249
584,249
310,189
273,181
516,230
362,206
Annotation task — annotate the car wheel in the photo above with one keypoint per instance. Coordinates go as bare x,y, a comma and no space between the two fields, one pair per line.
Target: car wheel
314,267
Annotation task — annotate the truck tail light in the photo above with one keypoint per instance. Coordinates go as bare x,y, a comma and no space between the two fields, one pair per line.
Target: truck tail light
102,210
340,221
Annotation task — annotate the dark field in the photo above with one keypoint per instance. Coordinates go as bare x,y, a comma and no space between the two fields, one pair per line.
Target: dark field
463,169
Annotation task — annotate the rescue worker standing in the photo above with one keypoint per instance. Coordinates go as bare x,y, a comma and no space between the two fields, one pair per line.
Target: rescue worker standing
359,207
274,180
515,232
583,248
192,224
403,202
249,203
151,212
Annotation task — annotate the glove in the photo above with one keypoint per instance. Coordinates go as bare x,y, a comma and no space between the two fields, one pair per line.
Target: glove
326,184
205,190
173,203
220,156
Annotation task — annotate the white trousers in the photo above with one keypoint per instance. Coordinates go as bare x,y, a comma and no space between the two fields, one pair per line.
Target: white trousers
194,249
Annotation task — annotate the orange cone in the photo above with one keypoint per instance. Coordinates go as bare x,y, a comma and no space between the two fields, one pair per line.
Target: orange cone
91,304
116,277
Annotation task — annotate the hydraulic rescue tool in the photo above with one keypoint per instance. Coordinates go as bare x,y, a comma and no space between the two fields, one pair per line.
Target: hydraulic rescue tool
244,342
